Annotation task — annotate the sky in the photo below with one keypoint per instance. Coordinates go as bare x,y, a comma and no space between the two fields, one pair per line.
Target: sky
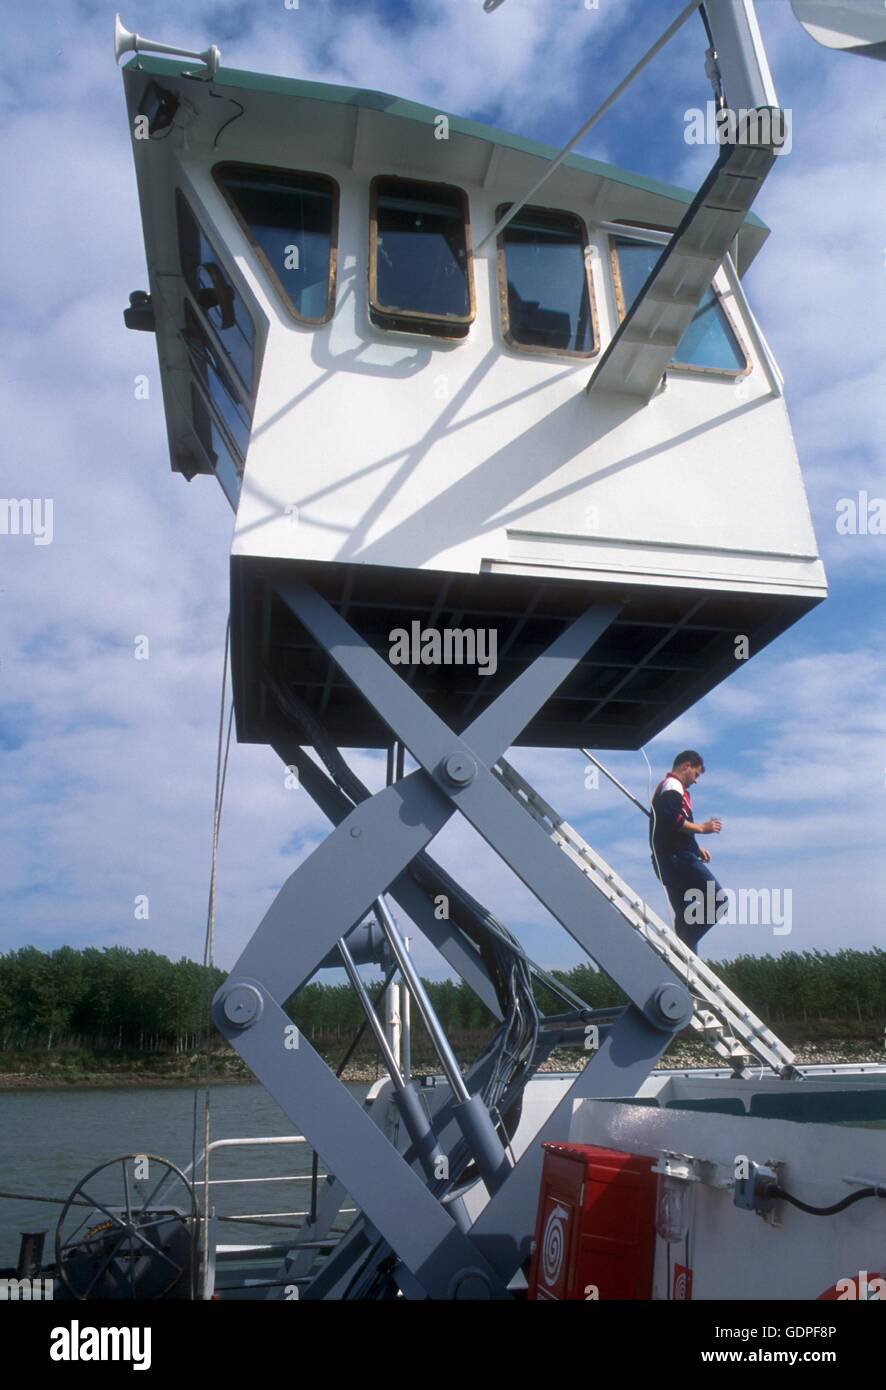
109,760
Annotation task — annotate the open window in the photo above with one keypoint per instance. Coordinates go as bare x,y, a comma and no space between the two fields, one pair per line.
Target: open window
213,291
218,390
291,219
224,464
710,343
545,288
420,274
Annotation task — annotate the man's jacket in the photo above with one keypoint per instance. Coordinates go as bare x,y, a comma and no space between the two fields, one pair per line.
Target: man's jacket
671,809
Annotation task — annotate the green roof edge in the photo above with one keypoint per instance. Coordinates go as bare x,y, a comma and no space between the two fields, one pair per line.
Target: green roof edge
425,115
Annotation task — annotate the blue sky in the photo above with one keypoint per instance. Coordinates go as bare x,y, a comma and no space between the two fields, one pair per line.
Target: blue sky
109,761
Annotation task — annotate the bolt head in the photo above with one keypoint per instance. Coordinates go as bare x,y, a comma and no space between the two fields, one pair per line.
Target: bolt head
242,1005
471,1284
460,769
670,1004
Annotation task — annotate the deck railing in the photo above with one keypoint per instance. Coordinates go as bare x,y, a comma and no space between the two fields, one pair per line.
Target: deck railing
256,1216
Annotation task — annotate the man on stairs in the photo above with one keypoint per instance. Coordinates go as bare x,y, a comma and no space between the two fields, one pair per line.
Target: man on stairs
679,862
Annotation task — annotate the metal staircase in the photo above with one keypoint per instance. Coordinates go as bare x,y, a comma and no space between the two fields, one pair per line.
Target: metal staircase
720,1018
644,343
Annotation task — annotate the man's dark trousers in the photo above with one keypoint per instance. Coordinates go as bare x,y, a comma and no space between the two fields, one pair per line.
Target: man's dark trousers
681,873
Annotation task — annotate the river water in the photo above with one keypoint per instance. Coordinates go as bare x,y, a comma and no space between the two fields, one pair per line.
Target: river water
50,1139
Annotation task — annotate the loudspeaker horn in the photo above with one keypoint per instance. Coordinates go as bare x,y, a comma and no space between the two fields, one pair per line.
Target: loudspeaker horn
127,42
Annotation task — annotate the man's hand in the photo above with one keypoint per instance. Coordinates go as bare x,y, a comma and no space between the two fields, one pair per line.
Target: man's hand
712,827
706,858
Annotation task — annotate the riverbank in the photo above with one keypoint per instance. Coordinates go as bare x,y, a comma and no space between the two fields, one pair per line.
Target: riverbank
34,1072
108,1081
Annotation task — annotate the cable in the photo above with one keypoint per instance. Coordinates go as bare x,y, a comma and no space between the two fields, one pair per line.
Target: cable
773,1189
355,1040
221,770
231,119
590,122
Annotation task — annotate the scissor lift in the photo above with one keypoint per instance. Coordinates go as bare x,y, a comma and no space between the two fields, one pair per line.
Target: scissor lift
414,1233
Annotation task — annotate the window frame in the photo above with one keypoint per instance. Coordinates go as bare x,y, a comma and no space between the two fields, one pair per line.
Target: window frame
277,283
389,319
198,395
732,374
224,376
249,388
552,215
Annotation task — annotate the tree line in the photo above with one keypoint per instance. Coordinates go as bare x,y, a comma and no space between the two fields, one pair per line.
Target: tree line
115,997
95,998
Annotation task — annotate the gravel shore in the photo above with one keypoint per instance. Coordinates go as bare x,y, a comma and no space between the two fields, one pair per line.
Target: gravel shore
684,1055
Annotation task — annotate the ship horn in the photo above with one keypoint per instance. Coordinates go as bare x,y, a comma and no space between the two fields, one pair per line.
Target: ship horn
126,42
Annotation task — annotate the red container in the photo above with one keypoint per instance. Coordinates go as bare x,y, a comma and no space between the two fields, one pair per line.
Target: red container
595,1231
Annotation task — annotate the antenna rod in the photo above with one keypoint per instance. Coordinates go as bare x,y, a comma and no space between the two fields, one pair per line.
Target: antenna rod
600,111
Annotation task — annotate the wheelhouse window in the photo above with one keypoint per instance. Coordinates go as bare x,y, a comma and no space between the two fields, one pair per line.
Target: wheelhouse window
420,277
710,343
545,286
217,385
291,220
213,291
226,468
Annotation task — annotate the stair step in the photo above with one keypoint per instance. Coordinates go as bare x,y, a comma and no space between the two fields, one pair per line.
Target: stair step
727,1025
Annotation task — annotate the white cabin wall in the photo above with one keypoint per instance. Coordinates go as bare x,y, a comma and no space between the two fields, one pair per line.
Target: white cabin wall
355,456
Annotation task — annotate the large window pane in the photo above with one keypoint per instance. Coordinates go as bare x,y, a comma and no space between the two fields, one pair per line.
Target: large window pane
213,291
216,382
545,282
709,341
223,462
292,220
419,255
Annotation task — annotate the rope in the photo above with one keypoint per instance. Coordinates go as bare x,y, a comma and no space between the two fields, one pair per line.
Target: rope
591,121
221,768
58,1201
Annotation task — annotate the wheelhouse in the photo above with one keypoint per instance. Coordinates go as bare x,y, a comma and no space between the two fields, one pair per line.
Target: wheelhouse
435,418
